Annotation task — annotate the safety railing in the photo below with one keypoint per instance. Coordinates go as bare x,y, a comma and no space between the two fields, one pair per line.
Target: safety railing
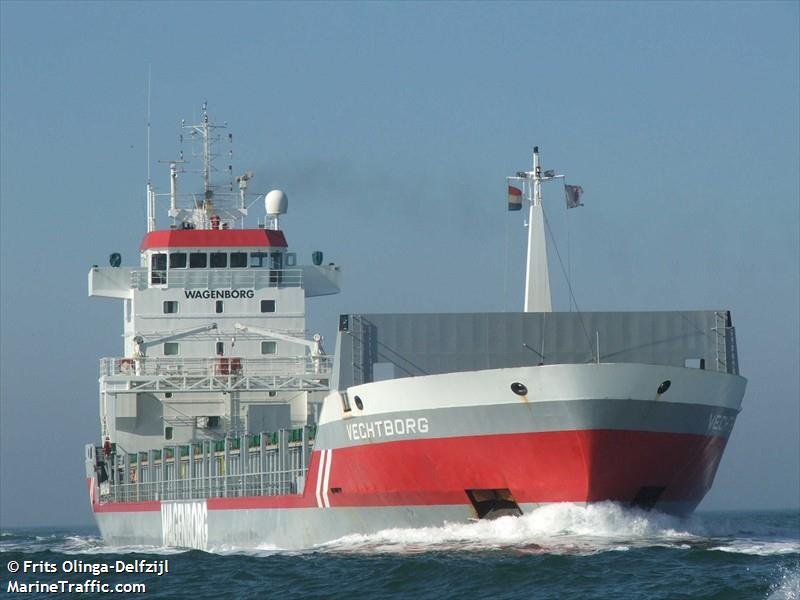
215,367
260,465
245,278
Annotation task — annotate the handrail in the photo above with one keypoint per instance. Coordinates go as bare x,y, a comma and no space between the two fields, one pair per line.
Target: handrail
216,366
218,278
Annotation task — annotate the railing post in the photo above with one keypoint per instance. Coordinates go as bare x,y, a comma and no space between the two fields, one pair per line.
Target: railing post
244,458
226,467
262,459
283,458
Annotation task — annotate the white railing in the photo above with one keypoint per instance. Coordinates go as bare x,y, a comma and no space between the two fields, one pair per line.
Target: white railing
214,367
246,278
261,465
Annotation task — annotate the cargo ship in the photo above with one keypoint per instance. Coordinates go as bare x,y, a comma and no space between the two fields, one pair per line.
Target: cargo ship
225,423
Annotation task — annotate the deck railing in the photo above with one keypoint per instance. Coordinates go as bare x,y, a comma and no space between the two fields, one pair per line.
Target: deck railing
216,366
260,465
246,278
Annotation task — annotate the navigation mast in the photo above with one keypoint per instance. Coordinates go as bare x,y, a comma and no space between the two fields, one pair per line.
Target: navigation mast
537,276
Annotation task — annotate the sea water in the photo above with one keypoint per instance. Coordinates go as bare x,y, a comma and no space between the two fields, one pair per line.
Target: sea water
559,551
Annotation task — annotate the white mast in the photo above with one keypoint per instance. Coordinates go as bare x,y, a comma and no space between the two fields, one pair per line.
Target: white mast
537,276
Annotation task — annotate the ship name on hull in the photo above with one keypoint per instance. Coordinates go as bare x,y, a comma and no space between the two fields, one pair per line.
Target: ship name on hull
185,524
367,430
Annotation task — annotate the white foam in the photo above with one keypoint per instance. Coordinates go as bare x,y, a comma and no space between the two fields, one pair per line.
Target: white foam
787,587
556,528
759,548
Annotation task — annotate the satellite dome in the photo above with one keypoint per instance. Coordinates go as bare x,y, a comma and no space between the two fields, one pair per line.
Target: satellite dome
276,202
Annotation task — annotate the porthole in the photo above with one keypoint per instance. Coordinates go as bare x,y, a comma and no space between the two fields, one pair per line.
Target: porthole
664,386
519,389
359,403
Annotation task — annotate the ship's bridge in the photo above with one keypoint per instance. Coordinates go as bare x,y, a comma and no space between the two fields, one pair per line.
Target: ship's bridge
215,258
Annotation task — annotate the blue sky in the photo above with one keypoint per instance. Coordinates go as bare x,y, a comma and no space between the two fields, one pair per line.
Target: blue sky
391,126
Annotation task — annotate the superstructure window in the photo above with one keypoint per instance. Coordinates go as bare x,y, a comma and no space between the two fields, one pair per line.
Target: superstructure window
198,260
219,260
259,259
267,306
238,260
219,349
219,306
170,307
269,347
158,269
171,348
167,433
276,264
177,260
159,262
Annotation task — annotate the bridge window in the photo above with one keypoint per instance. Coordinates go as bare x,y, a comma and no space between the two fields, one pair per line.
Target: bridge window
158,269
238,260
276,264
198,260
170,307
177,260
269,347
219,260
267,306
171,348
259,259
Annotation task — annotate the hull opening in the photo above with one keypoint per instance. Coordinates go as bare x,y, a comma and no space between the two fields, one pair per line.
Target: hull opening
647,496
493,503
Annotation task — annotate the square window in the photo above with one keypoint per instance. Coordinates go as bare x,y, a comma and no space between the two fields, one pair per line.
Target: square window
219,306
267,306
259,259
170,307
171,348
238,260
219,260
177,260
198,260
269,347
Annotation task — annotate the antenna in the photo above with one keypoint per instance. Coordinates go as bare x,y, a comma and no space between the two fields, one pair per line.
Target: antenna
151,195
149,77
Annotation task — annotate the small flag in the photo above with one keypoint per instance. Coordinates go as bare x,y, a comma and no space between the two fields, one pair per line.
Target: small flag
573,194
514,198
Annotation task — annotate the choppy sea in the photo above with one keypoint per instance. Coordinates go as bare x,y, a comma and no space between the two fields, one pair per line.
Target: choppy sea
559,551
